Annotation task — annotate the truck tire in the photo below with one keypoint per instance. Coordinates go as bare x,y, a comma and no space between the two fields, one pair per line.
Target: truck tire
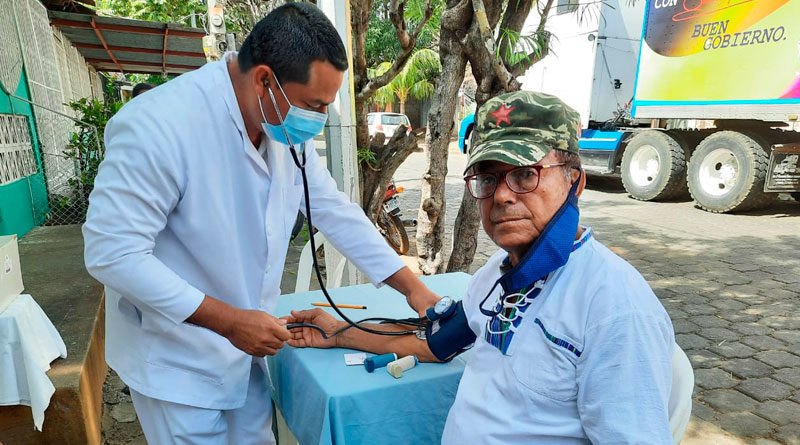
727,172
654,166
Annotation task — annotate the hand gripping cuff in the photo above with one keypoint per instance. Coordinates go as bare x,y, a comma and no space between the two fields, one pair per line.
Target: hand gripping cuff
450,335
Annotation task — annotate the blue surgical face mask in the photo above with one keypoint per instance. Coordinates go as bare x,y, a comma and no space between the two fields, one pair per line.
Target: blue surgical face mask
299,125
549,251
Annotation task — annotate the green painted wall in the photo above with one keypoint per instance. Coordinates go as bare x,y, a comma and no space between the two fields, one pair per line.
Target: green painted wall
23,203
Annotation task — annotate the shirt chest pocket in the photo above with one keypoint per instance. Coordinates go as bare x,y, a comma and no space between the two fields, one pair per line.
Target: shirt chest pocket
544,366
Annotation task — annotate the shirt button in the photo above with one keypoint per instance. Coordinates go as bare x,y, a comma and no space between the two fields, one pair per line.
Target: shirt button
269,232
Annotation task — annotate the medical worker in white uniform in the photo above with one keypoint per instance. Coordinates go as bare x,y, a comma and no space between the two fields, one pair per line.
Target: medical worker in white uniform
189,223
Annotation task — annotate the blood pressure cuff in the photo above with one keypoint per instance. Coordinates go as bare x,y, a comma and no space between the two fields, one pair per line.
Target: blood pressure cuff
449,336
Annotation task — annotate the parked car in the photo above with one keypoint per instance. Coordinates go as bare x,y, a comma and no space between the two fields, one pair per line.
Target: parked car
386,123
464,132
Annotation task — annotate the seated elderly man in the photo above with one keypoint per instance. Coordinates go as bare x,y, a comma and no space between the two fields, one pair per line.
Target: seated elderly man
570,343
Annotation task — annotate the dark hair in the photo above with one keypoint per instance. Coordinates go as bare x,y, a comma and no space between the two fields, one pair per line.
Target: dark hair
141,88
289,38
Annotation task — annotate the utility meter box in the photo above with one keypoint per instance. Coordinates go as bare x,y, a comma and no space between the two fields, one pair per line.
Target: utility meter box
10,271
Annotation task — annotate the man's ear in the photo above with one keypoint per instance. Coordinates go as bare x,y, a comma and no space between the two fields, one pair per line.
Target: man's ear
582,174
262,79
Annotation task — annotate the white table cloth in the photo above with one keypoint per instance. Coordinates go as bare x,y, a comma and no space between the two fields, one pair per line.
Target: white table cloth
28,343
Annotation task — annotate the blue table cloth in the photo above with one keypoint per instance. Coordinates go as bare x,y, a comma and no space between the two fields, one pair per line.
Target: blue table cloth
326,402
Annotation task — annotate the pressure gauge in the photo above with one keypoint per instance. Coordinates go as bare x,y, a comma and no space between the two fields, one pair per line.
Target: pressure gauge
441,309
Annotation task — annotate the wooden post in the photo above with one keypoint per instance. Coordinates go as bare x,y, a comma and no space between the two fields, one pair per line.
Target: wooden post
340,131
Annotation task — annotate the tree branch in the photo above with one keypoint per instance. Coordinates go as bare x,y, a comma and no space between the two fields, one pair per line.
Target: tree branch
513,20
519,68
407,43
397,12
359,20
503,76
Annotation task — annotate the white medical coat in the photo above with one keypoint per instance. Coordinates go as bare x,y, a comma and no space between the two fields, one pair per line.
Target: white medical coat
185,206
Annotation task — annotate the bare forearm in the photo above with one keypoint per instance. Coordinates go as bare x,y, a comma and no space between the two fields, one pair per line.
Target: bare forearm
215,315
255,332
401,345
418,295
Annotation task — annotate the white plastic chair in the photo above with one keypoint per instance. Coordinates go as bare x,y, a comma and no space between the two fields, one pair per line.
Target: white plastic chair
305,266
680,397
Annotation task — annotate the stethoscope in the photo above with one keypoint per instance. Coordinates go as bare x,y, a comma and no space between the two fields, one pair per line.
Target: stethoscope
416,322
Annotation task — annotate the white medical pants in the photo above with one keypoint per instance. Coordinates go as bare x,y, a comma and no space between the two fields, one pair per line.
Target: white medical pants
172,423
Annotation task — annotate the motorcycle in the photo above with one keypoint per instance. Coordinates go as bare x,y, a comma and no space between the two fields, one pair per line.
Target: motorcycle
390,223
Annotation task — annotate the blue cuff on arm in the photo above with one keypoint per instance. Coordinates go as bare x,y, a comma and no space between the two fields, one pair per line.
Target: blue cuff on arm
450,336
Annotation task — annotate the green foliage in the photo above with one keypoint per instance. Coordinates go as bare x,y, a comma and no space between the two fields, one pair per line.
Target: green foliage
240,15
109,89
303,234
86,148
381,40
172,11
367,156
385,95
154,79
417,78
521,47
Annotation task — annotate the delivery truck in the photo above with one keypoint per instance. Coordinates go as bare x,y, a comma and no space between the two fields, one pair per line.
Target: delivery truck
690,98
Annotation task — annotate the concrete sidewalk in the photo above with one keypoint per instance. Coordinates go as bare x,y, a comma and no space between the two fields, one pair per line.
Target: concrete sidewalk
53,273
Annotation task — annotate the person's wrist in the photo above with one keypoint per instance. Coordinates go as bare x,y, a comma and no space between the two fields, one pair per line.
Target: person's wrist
339,340
422,300
227,324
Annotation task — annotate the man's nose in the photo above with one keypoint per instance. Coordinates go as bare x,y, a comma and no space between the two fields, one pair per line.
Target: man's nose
503,194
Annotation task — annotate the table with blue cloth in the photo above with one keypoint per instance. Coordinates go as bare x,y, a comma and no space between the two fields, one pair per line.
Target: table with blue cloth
326,402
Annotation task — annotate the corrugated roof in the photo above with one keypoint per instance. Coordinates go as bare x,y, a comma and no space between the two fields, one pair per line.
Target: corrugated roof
132,46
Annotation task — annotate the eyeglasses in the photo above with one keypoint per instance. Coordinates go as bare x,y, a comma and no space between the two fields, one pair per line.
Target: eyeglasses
519,180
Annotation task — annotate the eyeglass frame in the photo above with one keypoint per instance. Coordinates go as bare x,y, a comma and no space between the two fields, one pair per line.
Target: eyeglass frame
504,177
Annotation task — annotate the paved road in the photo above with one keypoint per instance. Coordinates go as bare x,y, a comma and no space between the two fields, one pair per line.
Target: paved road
731,284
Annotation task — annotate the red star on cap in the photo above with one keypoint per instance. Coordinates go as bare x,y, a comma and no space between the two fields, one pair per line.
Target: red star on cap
501,114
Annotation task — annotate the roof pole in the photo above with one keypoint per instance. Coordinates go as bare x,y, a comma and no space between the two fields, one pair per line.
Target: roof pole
340,130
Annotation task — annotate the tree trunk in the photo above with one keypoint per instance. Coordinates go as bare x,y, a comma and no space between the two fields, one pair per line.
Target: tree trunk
489,85
403,107
465,231
362,130
375,176
430,221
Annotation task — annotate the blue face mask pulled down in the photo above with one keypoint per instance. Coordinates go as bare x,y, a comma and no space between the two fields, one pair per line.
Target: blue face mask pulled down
297,127
549,251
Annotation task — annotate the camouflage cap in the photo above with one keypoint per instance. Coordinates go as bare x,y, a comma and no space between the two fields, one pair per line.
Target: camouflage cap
520,128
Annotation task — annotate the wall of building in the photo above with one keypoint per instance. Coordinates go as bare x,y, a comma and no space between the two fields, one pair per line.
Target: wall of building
54,74
23,203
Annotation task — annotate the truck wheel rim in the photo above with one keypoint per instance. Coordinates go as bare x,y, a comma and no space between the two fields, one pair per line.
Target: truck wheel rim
719,172
645,164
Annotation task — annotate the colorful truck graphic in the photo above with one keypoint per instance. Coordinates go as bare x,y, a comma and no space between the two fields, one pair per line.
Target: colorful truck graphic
684,98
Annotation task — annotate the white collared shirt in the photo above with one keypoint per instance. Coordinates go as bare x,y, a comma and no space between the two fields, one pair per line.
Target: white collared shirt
612,386
185,206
